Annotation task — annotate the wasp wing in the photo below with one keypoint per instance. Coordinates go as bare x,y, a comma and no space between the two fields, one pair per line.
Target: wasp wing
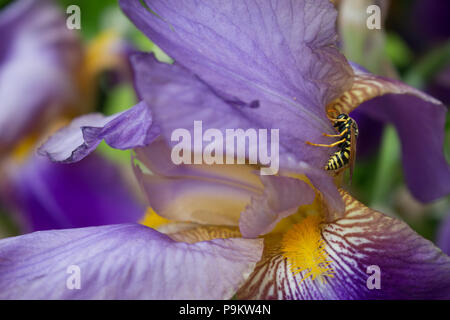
353,138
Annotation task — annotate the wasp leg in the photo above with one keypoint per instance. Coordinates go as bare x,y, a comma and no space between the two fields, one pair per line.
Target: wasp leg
336,135
337,120
325,145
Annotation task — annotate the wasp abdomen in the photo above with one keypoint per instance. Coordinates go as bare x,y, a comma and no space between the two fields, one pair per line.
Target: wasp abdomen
338,160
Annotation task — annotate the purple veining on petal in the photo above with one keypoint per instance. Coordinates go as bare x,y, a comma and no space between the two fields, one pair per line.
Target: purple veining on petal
287,70
177,99
126,261
247,49
359,244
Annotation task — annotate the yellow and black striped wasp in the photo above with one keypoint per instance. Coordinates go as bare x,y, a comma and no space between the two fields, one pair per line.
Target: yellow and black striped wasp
348,132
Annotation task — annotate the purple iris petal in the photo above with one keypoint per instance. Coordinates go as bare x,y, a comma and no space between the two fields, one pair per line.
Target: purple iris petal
411,267
199,193
126,130
247,49
177,98
157,158
223,194
282,196
274,63
37,61
126,261
55,196
420,127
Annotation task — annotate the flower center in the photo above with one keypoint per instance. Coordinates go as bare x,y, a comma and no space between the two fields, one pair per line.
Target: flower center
304,249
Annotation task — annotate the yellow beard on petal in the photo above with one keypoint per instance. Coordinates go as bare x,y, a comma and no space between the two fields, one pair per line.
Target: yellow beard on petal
153,220
304,249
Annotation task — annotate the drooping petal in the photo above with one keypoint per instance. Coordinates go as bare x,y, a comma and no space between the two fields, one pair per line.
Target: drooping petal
91,192
282,196
38,58
410,267
127,261
367,86
208,194
125,130
420,122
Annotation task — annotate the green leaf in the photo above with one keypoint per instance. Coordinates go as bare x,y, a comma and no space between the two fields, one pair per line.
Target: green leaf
432,63
398,51
388,171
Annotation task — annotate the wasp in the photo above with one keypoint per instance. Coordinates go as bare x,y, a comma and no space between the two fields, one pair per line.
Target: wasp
347,129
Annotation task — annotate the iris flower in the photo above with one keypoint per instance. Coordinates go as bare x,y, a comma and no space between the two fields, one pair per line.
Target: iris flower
222,230
46,77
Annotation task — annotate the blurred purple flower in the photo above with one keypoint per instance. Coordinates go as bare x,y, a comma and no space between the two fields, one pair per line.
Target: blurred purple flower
430,20
55,196
38,59
41,66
